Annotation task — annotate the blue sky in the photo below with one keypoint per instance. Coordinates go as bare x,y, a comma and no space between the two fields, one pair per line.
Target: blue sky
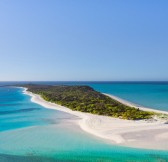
83,40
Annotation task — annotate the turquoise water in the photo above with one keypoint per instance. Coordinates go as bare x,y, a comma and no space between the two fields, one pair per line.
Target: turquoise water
29,132
152,95
149,94
17,111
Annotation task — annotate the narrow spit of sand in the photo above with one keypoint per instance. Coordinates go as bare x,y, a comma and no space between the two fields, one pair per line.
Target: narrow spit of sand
134,105
140,134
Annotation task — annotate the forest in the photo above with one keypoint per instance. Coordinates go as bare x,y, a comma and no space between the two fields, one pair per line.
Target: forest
86,99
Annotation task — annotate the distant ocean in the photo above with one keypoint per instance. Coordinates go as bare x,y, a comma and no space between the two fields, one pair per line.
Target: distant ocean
29,132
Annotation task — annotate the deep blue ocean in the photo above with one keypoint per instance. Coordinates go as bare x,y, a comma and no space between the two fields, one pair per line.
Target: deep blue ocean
30,132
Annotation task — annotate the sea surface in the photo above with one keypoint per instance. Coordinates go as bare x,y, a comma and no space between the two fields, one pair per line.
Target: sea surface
32,133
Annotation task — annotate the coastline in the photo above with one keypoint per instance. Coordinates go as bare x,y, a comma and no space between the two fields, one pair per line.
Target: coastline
139,134
134,105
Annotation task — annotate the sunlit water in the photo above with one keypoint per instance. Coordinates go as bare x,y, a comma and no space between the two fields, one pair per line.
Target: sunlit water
29,132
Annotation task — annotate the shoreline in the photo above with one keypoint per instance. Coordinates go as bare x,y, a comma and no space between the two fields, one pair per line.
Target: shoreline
138,134
127,103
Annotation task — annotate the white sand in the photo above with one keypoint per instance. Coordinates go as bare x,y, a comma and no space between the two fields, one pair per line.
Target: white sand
134,105
141,134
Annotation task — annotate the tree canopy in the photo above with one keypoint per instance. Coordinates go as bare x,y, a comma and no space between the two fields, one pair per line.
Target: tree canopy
86,99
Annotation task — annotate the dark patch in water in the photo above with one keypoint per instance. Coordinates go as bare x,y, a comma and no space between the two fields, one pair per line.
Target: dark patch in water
50,121
29,158
18,111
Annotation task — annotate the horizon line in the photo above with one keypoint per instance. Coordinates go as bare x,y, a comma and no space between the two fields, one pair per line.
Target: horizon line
87,81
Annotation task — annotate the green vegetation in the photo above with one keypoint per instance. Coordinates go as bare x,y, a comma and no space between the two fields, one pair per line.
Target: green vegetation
86,99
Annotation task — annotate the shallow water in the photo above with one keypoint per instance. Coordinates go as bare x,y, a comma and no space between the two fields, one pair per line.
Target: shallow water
17,111
29,132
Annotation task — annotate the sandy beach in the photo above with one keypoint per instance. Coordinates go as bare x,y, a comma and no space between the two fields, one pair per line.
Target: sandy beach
134,105
149,134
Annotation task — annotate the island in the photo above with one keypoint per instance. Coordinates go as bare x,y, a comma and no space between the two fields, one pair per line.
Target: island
86,99
103,115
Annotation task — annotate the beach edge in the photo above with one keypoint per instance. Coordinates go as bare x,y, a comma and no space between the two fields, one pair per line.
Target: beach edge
107,128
